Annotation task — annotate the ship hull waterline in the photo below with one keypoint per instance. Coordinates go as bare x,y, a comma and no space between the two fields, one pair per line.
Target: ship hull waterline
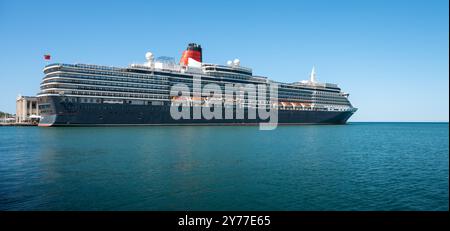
101,114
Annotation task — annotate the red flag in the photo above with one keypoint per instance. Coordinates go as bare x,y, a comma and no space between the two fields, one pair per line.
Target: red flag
47,57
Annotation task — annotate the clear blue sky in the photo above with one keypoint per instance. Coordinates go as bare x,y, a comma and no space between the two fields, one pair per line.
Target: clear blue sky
391,56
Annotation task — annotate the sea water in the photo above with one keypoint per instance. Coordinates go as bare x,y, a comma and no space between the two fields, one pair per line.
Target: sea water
358,166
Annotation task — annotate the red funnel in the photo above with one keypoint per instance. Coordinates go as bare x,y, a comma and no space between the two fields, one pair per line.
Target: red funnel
193,51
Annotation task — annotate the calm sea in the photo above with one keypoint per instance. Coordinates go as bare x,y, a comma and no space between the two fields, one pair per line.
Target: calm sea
359,166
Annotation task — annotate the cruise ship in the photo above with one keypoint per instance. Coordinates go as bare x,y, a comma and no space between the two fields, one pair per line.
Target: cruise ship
140,94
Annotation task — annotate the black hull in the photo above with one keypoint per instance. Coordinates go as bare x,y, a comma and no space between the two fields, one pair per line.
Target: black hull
61,113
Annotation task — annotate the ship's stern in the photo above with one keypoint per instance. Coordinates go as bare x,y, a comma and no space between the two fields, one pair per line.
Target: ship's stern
47,110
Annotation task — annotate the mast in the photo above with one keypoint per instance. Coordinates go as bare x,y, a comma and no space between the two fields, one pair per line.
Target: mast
313,75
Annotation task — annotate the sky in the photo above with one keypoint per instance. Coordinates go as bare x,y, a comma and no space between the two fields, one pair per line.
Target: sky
390,55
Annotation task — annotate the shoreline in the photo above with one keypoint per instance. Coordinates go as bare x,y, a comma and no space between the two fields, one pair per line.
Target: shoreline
17,124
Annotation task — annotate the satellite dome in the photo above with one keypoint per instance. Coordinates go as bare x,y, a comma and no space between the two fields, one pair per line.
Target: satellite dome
229,63
236,62
149,56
